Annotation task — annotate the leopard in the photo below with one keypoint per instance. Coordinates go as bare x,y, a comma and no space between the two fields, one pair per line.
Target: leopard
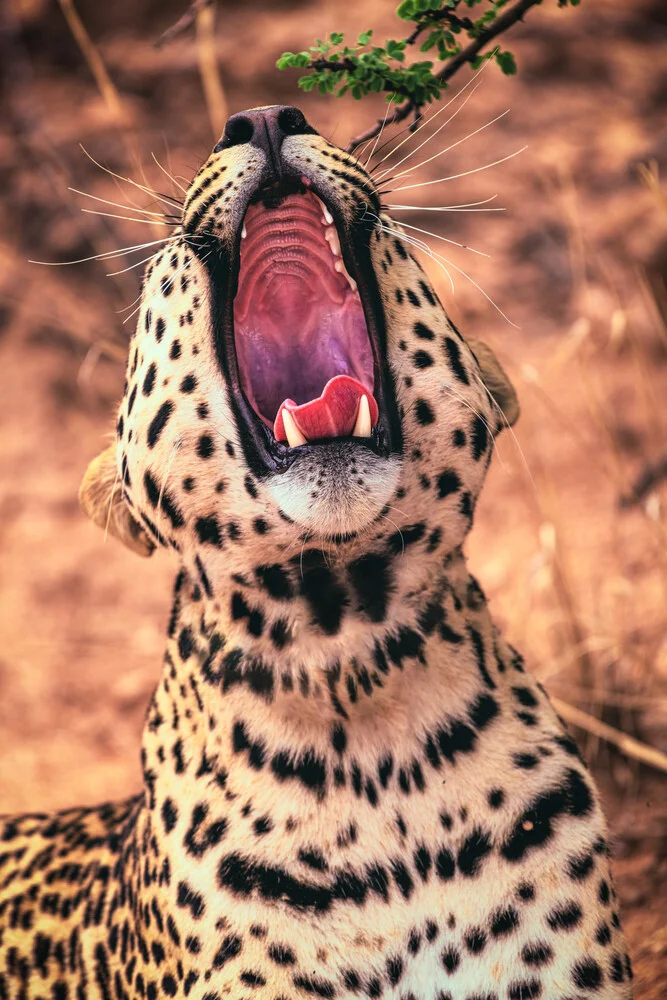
352,786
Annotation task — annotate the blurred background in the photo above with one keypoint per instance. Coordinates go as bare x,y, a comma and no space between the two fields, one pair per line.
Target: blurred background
570,540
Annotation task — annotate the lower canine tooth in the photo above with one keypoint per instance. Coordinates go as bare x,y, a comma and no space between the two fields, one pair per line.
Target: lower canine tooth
362,426
294,435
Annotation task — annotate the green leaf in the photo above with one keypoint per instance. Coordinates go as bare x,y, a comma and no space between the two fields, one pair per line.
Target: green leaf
406,10
506,62
365,37
336,37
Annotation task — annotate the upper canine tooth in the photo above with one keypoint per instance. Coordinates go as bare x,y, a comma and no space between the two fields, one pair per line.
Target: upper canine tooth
327,217
244,232
362,426
294,435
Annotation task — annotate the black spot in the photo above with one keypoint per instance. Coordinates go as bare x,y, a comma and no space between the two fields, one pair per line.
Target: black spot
185,643
579,868
454,357
496,797
428,294
372,580
603,934
536,954
475,940
315,987
407,643
451,959
250,487
423,331
313,859
188,899
325,595
205,446
175,350
169,815
189,384
480,438
281,954
616,971
394,970
149,380
424,412
423,862
402,878
565,917
525,761
587,974
208,531
275,581
445,864
307,768
527,990
472,852
448,482
151,488
231,946
503,922
422,359
252,979
525,697
159,422
159,329
280,635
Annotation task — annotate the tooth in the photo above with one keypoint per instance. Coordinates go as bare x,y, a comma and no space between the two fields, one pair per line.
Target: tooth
362,426
294,435
244,232
340,267
331,236
327,217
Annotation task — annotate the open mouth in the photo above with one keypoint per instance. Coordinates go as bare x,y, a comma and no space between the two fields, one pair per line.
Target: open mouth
307,328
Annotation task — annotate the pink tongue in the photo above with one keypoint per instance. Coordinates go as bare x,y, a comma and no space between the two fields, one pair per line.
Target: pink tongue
333,414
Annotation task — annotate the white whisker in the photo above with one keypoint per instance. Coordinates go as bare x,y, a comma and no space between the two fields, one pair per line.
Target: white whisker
413,152
426,121
442,152
465,173
109,254
469,207
116,204
170,176
377,137
446,240
172,202
127,218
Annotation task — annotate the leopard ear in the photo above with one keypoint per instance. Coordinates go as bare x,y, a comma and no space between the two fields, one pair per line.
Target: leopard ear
497,382
101,498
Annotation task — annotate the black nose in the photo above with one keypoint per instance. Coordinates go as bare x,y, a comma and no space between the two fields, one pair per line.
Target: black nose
265,128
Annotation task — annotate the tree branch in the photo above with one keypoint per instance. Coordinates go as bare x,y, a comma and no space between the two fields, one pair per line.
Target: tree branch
466,55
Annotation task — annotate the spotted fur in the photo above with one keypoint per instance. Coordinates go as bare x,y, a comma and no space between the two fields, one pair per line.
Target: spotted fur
352,787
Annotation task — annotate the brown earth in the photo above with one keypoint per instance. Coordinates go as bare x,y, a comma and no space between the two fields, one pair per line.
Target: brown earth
577,262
